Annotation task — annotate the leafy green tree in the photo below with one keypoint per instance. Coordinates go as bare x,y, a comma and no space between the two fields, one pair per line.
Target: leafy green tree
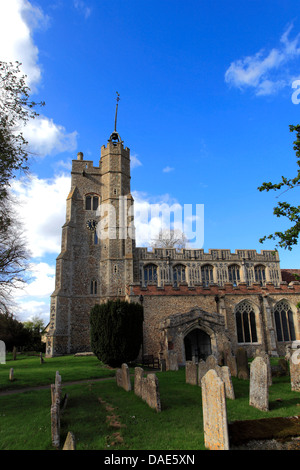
13,332
116,331
16,109
288,238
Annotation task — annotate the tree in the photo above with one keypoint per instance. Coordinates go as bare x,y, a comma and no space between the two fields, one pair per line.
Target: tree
289,237
167,238
116,331
16,109
13,332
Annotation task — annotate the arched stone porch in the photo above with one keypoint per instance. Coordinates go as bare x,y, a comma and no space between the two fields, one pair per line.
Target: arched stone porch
193,335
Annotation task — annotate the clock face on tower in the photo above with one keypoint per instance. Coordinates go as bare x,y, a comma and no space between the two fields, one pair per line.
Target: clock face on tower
91,224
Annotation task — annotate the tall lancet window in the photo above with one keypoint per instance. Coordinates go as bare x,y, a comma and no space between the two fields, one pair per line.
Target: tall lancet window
93,287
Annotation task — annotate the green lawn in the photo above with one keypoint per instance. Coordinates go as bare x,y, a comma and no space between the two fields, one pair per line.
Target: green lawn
103,416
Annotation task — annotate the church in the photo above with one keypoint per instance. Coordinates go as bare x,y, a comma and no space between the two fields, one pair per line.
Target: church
194,302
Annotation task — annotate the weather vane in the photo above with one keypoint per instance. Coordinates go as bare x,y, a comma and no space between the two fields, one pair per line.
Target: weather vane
117,99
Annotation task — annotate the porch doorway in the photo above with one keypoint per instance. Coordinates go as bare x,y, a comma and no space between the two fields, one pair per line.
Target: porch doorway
197,345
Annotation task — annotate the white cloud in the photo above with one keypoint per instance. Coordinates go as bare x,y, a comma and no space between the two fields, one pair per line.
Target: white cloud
42,209
82,8
45,137
264,71
134,161
17,20
167,169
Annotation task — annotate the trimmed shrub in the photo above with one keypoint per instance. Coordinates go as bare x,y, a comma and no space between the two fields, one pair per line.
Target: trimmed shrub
116,331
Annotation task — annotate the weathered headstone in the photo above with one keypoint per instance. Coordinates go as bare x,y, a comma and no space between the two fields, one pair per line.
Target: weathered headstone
70,443
153,396
224,374
138,376
229,359
191,373
11,374
214,412
126,378
119,377
265,356
202,369
14,353
55,425
259,386
242,364
211,362
2,352
295,372
172,361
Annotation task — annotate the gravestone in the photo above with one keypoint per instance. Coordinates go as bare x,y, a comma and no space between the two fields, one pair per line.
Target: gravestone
229,359
138,376
11,374
119,377
202,369
2,352
242,364
144,388
259,385
295,372
70,443
225,375
191,373
214,412
14,353
153,396
172,361
266,358
211,362
126,378
55,425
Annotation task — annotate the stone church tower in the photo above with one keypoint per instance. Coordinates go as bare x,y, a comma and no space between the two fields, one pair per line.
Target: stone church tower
194,302
91,269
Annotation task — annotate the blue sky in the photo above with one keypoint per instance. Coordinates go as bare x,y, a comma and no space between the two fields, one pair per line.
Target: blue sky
206,104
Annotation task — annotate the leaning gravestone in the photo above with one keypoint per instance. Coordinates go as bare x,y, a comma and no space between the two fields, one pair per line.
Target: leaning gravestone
225,375
242,364
259,385
126,383
214,412
153,396
191,373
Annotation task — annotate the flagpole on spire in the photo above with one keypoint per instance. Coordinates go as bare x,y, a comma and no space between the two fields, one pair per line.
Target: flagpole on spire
117,99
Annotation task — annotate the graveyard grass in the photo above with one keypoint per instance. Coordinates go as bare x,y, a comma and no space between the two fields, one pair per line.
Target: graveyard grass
105,417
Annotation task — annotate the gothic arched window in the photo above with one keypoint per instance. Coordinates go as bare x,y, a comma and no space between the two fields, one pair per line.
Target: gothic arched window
207,274
245,323
150,273
178,274
284,321
260,274
234,274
